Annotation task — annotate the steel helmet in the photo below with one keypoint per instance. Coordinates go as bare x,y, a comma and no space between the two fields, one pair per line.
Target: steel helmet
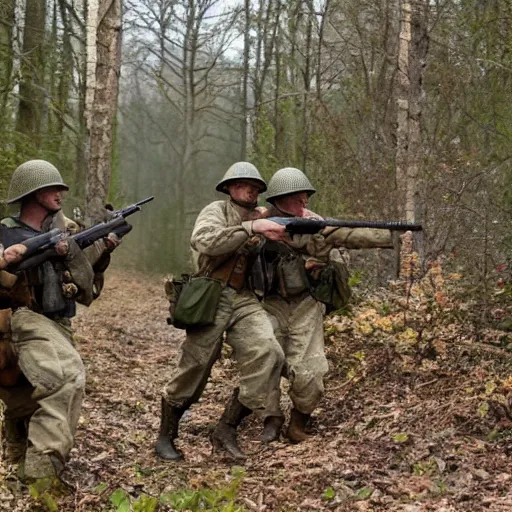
240,171
288,181
32,176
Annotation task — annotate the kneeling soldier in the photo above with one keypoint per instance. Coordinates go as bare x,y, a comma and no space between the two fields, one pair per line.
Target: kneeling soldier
42,376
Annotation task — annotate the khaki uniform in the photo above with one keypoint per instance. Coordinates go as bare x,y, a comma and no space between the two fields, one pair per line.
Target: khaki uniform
299,327
43,406
298,321
221,230
52,397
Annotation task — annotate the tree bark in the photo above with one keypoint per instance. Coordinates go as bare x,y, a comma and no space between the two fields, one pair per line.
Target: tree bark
412,55
104,106
403,89
6,54
245,81
32,84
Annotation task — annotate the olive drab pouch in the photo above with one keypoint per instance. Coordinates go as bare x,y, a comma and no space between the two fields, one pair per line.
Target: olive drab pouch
173,287
197,302
331,285
291,275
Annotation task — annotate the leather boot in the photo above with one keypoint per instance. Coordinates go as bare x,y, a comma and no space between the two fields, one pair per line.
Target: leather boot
15,438
169,432
296,429
224,436
271,429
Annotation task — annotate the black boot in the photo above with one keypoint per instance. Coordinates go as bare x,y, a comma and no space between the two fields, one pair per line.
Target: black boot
15,434
271,429
169,432
224,435
296,432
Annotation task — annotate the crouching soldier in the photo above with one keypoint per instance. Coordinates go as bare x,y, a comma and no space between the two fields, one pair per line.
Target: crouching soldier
300,278
221,233
42,377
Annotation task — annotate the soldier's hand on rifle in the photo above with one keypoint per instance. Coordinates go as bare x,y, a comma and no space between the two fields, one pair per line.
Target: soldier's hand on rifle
260,212
12,254
112,241
269,229
62,247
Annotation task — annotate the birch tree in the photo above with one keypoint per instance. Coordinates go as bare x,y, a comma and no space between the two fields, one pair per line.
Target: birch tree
6,53
101,99
412,54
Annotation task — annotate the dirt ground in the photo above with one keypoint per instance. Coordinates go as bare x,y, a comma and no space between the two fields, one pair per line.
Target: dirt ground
400,429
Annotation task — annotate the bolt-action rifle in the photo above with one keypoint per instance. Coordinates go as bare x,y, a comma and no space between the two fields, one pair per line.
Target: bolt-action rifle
41,248
306,226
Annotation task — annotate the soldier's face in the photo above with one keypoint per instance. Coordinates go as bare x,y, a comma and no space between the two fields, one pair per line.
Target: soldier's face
50,198
294,204
244,191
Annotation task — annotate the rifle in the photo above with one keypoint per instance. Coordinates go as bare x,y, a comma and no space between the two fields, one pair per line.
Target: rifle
306,226
41,248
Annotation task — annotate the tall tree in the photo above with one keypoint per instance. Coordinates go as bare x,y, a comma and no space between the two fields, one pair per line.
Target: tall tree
6,53
32,88
102,110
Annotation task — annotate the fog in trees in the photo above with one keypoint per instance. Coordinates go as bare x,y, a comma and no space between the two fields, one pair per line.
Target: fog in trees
395,109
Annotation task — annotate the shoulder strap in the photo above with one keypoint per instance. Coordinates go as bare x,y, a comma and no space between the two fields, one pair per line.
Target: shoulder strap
10,222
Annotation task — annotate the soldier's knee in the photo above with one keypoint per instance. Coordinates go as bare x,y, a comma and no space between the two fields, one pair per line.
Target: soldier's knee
272,352
307,383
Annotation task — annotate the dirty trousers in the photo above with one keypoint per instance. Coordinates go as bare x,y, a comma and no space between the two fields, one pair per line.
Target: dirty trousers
299,328
255,348
56,381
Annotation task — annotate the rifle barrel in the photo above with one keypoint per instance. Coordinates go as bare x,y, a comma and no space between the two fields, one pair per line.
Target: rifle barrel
304,225
144,201
393,226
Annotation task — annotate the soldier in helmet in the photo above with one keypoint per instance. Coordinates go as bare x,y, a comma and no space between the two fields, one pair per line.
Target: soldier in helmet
221,231
42,376
291,301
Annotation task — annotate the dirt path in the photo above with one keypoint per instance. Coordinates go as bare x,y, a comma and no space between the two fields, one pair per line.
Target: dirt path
387,436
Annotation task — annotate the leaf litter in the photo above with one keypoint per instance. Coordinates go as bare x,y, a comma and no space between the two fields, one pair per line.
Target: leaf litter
416,415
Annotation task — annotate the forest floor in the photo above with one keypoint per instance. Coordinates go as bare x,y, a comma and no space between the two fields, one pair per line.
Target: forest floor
416,416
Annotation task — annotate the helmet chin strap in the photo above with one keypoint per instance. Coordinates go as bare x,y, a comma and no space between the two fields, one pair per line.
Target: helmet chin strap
283,211
245,204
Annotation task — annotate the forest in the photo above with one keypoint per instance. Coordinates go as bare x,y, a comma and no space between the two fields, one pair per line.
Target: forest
395,110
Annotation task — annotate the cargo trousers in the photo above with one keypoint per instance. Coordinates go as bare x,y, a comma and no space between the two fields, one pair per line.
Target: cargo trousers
259,356
50,395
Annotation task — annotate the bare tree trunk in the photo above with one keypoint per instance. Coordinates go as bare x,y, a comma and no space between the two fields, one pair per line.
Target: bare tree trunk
65,76
278,122
32,71
403,89
245,80
307,88
412,54
415,195
6,54
103,109
82,144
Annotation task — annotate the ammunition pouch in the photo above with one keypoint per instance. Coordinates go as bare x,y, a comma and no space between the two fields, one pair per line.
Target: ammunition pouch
231,272
291,276
331,285
193,301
